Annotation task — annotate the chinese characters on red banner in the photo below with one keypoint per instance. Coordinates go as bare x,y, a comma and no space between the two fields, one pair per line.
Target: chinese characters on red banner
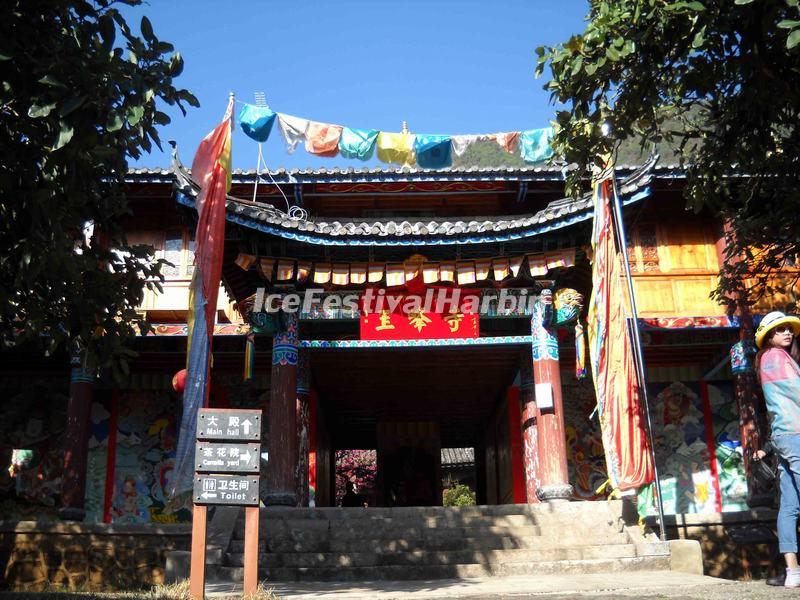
380,322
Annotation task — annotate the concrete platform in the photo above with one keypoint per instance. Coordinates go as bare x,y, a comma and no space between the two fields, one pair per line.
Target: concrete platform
488,588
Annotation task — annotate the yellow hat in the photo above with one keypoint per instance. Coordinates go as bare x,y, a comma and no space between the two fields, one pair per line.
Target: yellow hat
771,321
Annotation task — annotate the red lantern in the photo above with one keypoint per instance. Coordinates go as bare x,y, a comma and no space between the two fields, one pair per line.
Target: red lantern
179,381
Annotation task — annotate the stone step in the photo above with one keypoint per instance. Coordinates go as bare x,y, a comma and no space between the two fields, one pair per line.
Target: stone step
432,543
321,530
428,557
445,520
549,510
450,571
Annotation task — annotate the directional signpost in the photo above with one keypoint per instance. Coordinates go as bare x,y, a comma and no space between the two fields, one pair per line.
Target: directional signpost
227,466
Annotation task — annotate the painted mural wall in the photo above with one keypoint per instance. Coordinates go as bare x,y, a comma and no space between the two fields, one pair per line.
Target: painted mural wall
32,426
696,430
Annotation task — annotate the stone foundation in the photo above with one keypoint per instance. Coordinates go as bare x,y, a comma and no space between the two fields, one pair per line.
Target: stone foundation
736,545
73,556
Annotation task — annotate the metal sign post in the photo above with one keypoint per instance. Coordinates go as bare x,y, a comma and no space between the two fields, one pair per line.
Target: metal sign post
227,467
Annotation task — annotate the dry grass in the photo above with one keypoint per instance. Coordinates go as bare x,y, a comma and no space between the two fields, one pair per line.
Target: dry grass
174,591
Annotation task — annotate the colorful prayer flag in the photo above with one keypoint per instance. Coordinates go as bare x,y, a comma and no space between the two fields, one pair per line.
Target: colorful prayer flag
396,148
535,145
357,143
257,121
211,169
293,130
433,151
627,449
322,139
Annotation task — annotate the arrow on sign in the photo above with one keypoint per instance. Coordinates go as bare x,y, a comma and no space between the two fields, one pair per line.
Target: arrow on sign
246,424
206,495
246,457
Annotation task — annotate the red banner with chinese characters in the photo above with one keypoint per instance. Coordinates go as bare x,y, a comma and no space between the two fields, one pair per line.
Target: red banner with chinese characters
438,313
418,326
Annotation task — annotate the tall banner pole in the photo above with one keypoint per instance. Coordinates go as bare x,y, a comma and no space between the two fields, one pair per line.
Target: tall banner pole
637,344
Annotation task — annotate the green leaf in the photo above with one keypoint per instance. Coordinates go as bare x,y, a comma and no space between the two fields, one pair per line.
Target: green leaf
699,39
71,105
36,111
793,40
612,53
108,31
64,136
51,81
147,29
695,6
176,64
135,114
115,123
576,65
740,2
5,56
788,24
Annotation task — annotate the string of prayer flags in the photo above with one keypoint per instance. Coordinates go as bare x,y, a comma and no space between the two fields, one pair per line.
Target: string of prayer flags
257,121
426,150
357,143
463,272
322,139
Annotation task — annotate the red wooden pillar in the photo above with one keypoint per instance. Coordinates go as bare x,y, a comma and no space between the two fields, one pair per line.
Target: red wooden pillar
303,434
515,442
282,465
530,439
552,472
76,441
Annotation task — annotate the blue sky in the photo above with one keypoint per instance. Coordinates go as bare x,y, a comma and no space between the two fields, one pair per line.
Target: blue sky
445,66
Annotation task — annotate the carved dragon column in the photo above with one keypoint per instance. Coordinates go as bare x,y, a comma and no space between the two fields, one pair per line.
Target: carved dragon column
552,473
282,464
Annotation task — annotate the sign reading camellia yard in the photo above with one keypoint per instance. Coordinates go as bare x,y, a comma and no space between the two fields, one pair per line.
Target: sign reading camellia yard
221,457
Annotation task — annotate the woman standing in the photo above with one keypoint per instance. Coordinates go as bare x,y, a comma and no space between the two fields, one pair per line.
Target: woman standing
778,371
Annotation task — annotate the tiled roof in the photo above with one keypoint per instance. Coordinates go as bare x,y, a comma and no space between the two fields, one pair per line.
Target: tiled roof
430,231
458,456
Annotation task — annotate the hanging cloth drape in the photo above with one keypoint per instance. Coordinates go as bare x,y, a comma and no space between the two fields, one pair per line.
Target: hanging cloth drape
396,148
293,130
322,139
357,143
433,151
535,144
257,121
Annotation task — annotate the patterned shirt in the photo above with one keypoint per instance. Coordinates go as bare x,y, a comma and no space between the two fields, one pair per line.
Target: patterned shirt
780,379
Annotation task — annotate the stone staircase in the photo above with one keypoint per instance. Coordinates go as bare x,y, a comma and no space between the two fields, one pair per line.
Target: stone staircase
357,544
